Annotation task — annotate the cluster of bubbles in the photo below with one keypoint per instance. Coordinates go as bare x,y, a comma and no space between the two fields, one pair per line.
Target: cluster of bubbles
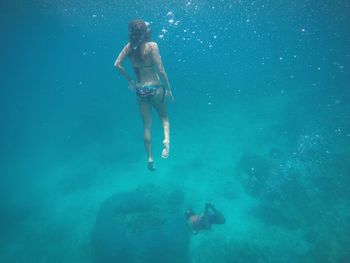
308,142
186,26
170,22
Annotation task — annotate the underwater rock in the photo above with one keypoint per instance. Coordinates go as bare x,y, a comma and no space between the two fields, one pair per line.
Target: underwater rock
286,201
145,225
331,176
285,196
252,172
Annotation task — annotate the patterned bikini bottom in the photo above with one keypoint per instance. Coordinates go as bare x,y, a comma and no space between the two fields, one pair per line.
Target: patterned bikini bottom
147,91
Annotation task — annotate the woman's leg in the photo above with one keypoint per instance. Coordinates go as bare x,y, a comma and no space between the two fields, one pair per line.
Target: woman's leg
159,104
146,114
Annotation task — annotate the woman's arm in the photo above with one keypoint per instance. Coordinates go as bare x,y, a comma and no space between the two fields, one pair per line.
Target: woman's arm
160,68
120,60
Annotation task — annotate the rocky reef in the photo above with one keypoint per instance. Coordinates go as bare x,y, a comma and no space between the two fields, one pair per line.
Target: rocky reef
145,225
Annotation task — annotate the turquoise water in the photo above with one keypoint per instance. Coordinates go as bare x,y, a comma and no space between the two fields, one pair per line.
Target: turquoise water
259,126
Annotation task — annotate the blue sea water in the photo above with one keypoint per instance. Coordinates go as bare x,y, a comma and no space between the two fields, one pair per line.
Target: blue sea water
259,126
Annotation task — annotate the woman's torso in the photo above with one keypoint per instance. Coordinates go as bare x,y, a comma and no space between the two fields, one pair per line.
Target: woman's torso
145,69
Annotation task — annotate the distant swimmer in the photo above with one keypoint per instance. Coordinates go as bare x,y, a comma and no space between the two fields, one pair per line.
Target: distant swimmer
151,85
204,221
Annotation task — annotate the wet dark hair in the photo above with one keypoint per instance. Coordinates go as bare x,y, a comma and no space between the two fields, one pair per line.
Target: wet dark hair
139,33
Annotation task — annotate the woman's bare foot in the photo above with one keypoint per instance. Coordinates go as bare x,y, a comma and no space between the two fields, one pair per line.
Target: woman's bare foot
150,165
166,150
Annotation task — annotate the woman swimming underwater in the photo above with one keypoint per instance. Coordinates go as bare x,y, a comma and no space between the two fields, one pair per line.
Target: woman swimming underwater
152,84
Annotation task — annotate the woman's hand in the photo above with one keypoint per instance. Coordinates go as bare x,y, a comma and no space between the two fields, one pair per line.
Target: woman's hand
169,94
132,85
